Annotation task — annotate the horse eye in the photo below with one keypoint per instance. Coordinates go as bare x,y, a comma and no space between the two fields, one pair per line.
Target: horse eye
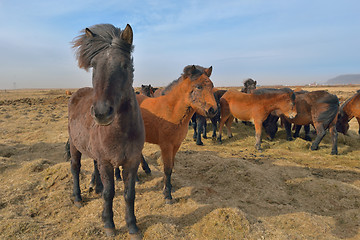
199,87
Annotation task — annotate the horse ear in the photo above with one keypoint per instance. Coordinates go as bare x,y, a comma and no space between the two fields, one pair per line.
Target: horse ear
127,34
255,83
89,33
208,71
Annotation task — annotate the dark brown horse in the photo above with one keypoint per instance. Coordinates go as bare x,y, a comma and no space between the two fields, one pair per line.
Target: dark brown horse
249,86
105,121
147,90
166,118
319,108
348,110
255,106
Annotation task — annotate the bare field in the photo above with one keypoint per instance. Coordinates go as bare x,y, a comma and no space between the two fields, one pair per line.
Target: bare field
227,191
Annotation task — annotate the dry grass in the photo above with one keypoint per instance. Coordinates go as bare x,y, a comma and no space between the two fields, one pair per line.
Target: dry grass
226,191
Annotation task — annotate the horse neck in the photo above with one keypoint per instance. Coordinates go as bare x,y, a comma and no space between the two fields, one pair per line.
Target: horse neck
347,107
178,112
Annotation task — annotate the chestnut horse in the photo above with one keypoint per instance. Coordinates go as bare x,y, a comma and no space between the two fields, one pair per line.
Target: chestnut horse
255,106
348,110
105,121
166,118
319,108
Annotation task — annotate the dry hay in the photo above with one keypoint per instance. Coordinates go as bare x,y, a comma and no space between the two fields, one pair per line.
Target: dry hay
226,191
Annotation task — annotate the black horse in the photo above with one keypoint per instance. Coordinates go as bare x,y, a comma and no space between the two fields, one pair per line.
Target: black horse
199,124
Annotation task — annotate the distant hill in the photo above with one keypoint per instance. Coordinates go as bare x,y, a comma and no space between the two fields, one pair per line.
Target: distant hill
345,79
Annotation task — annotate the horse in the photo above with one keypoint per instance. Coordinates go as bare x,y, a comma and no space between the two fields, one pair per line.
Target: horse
249,87
255,106
147,90
319,108
198,121
105,121
68,93
166,118
348,110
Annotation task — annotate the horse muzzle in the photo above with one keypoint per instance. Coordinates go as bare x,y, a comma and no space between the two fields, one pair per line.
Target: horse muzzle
102,113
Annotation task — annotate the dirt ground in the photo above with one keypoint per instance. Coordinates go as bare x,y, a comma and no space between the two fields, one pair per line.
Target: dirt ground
227,191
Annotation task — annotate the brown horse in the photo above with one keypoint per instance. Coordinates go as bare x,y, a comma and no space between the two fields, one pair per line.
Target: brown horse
166,118
348,110
105,121
319,108
255,106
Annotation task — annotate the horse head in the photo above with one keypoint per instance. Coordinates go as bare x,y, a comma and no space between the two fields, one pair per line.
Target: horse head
287,106
107,50
200,90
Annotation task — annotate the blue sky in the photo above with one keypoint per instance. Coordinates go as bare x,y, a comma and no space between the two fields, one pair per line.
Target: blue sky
289,42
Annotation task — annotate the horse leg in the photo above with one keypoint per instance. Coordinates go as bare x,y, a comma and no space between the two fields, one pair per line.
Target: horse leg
96,180
204,128
194,125
334,136
168,160
200,124
358,119
214,127
117,174
107,178
258,128
320,130
129,176
297,131
228,123
221,125
288,130
75,170
145,165
307,132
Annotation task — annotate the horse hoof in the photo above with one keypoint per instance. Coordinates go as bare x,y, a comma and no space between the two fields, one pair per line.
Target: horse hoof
200,143
231,136
334,153
110,232
169,201
135,236
78,204
205,137
314,148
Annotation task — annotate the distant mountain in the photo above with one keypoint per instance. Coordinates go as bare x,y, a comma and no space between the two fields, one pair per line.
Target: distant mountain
345,79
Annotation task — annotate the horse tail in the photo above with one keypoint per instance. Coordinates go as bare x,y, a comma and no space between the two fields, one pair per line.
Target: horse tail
67,154
333,108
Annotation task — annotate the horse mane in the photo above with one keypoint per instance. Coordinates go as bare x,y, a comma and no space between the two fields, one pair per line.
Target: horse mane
104,36
261,91
348,100
188,71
